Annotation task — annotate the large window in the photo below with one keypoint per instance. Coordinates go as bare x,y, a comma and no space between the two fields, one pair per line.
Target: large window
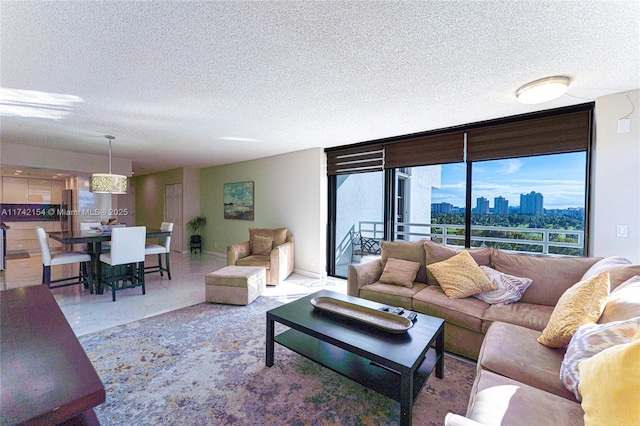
530,204
518,184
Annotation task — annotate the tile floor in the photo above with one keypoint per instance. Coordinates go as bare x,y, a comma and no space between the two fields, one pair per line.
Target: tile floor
88,312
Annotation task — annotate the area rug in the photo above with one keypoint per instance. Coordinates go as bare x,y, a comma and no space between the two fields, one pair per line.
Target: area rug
205,365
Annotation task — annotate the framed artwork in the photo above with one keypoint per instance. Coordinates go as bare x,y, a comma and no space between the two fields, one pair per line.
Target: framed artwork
238,200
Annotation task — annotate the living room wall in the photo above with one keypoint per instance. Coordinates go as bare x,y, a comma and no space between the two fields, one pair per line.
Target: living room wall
616,178
290,191
149,193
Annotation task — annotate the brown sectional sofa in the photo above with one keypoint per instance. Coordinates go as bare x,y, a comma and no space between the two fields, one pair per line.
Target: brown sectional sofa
518,379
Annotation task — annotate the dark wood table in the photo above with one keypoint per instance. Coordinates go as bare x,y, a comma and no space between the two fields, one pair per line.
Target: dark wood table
94,239
46,377
396,365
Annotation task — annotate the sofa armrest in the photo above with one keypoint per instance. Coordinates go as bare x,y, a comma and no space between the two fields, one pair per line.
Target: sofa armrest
281,260
237,251
361,275
452,419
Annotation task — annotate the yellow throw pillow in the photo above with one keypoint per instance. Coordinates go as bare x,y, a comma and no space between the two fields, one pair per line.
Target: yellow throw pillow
610,386
582,303
460,276
400,272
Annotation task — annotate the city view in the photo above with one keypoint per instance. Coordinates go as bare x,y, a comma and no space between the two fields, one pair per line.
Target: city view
536,199
540,185
530,204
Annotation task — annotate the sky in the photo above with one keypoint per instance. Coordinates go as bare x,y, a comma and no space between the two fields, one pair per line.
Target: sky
560,178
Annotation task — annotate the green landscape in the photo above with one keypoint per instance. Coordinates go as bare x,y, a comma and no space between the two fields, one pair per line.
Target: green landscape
531,226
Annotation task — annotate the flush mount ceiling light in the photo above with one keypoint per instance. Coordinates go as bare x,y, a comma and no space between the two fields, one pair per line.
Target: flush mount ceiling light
103,183
543,90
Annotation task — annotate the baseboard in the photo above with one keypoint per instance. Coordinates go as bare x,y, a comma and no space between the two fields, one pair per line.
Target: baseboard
310,274
216,254
210,253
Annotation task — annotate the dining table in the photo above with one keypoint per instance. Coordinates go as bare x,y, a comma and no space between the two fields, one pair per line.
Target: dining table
94,238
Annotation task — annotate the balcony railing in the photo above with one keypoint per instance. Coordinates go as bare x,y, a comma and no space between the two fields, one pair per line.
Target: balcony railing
522,240
526,240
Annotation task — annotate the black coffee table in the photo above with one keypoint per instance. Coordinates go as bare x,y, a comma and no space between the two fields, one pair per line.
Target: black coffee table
396,365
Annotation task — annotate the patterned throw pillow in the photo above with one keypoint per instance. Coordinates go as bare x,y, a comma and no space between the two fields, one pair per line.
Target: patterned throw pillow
400,272
460,276
582,303
510,288
589,340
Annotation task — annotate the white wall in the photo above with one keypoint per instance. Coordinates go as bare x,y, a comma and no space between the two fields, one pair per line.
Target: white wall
616,178
290,191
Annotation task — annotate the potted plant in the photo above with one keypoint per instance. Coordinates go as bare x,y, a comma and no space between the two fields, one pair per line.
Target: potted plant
194,225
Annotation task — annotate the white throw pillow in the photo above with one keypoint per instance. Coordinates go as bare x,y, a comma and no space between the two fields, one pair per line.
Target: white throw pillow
510,288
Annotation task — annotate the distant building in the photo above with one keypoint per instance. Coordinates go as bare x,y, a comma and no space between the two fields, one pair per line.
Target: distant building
531,203
482,205
441,208
500,205
576,212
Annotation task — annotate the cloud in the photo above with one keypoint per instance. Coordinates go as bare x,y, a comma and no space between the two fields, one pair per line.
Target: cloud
511,166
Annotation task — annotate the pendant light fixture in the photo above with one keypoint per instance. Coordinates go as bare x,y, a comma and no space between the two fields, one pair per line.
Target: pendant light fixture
103,183
543,90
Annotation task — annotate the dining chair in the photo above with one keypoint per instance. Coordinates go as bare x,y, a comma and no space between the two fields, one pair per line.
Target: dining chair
64,258
125,261
163,247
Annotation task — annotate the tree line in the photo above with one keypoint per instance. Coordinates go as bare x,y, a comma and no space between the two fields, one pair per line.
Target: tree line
559,222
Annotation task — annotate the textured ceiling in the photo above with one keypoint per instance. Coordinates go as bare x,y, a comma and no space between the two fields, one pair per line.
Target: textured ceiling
206,83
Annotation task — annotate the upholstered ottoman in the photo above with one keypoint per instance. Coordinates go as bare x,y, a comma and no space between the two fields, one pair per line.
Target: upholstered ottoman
235,285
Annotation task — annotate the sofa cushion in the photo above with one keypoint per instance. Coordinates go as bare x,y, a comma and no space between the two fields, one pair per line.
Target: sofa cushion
609,386
255,260
460,276
390,294
623,302
279,235
437,253
509,288
551,276
620,270
589,340
262,246
406,250
581,304
512,351
621,274
498,400
399,272
535,317
465,312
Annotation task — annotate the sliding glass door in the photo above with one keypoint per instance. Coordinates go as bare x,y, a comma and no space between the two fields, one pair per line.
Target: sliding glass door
359,221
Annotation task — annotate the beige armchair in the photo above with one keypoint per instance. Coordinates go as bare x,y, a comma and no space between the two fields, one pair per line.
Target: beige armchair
272,249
